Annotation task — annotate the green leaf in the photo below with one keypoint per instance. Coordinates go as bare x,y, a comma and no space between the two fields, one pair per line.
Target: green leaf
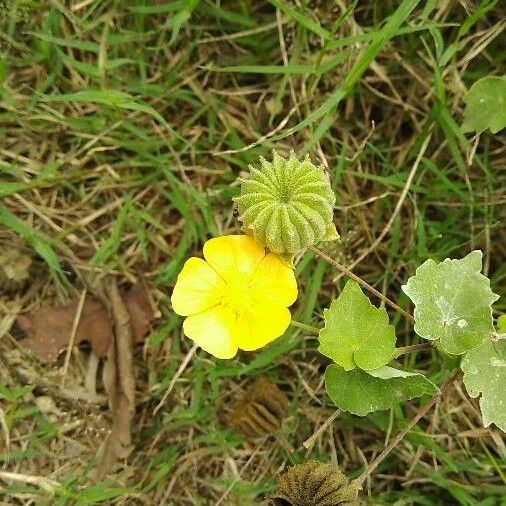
302,19
361,392
356,334
501,324
485,372
177,21
486,105
111,245
113,98
452,302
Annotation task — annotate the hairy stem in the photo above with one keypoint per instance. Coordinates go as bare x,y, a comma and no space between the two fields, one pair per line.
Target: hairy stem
404,350
303,326
360,281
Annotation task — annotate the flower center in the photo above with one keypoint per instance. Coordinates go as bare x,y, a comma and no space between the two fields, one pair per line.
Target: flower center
236,296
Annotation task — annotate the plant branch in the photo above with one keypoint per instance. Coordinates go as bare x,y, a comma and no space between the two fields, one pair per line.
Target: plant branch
303,326
402,434
360,281
404,350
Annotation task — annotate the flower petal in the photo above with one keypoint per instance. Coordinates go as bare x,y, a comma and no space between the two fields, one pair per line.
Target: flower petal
196,289
265,323
214,331
274,282
233,256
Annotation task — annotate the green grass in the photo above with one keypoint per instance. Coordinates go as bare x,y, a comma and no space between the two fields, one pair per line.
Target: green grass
124,127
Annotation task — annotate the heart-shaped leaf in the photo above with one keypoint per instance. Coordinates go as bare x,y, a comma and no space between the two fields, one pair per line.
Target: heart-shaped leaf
356,334
486,105
485,373
452,302
361,392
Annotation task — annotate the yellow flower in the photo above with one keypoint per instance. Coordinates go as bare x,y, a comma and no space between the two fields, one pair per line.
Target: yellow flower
237,298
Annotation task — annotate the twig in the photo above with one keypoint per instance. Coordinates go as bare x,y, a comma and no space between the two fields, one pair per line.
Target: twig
402,434
182,367
244,33
45,483
361,282
311,439
73,332
90,380
262,139
6,432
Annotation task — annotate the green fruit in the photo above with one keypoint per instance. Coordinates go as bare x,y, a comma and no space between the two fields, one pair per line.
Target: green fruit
287,204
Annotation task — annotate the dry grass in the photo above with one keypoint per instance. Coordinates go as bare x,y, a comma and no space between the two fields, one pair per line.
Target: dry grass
131,189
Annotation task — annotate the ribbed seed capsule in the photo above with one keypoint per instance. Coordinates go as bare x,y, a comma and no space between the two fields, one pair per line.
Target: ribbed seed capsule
315,484
287,204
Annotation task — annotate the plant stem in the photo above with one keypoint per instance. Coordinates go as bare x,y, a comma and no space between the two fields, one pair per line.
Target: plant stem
403,350
303,326
360,281
402,434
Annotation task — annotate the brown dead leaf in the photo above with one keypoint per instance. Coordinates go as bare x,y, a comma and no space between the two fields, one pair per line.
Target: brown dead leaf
119,383
49,329
140,307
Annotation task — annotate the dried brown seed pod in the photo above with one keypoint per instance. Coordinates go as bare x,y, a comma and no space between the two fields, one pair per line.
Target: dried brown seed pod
260,411
315,484
15,269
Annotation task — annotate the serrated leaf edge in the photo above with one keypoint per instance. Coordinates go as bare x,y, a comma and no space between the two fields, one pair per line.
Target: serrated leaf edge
385,320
